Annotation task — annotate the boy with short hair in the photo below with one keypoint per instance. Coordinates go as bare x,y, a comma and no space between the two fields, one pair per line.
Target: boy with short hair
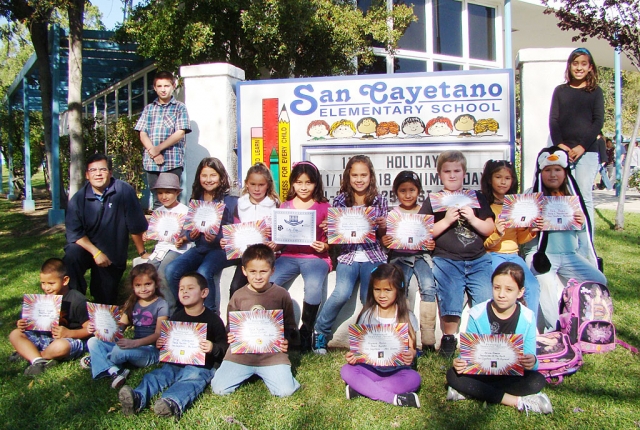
168,189
67,340
461,263
163,126
181,384
275,369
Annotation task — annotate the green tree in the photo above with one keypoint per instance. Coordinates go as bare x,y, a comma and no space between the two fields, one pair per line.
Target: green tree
266,38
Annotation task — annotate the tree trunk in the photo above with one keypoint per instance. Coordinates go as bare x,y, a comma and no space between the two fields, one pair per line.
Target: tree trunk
76,163
619,224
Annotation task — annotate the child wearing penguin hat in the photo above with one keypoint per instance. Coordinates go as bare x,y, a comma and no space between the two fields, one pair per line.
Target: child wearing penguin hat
556,253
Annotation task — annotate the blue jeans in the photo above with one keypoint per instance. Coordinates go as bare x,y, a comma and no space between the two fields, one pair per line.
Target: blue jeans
346,278
209,265
105,355
455,277
177,383
423,273
531,285
566,266
278,378
584,172
314,271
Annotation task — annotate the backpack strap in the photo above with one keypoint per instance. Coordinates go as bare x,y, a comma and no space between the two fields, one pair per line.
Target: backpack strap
625,345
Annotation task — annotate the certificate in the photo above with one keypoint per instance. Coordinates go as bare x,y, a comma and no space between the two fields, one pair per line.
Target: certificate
165,226
379,345
240,236
105,318
492,354
256,332
558,213
182,342
521,210
444,200
204,216
409,231
351,225
41,311
293,227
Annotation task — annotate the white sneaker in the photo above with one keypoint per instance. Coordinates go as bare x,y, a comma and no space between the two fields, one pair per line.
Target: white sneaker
453,395
538,403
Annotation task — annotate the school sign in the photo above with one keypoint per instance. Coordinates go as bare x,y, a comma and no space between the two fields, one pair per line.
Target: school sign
402,122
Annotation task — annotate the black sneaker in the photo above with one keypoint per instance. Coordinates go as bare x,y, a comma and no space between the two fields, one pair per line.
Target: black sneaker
130,400
39,367
428,349
118,379
351,393
407,399
15,357
448,345
166,408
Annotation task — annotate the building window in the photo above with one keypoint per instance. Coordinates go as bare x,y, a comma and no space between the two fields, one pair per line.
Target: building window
449,35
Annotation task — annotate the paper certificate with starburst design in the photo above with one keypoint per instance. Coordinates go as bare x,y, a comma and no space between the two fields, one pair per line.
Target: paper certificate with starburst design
521,210
558,212
182,342
293,226
165,226
379,345
256,332
443,200
41,311
204,216
240,236
351,225
492,354
409,231
105,318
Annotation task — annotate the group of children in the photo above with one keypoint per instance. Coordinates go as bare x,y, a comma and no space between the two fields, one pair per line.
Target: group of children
472,252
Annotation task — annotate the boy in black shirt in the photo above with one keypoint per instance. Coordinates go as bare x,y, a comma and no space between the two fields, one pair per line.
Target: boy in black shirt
67,339
181,384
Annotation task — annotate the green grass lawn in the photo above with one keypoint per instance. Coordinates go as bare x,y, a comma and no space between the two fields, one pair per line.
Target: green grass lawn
605,393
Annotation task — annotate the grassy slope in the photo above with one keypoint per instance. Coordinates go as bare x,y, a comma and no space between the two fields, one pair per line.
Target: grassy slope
604,394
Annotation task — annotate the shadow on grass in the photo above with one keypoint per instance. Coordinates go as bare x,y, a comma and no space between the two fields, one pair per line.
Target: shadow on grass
604,219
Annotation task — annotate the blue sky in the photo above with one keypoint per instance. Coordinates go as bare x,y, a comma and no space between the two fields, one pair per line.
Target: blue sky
111,11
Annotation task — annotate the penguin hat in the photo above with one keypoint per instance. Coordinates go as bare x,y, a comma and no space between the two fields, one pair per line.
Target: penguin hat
555,156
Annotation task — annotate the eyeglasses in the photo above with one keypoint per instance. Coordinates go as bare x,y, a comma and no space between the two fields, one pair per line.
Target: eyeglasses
95,170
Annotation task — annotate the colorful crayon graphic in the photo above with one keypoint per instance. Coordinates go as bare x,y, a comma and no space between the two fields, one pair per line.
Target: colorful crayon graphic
257,143
284,150
269,128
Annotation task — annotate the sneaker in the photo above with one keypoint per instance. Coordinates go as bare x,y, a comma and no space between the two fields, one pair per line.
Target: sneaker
428,349
448,345
453,395
407,399
39,367
319,343
538,403
118,379
351,393
166,408
85,362
15,357
129,399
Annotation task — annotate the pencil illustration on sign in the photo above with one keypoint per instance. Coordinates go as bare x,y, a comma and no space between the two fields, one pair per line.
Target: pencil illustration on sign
269,128
257,144
284,150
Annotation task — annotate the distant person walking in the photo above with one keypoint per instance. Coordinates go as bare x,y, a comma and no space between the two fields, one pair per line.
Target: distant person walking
575,121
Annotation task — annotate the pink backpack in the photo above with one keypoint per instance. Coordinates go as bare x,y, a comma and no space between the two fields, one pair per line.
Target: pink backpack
586,312
557,357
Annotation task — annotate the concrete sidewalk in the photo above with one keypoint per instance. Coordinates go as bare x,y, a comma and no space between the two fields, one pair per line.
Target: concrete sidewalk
605,199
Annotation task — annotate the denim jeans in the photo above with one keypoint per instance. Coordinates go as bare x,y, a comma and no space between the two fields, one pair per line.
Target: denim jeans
566,266
314,272
531,285
208,264
424,275
105,355
177,383
455,277
584,172
278,378
346,278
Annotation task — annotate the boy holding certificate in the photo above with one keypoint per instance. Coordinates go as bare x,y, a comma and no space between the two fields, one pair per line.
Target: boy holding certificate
274,368
180,384
67,338
460,262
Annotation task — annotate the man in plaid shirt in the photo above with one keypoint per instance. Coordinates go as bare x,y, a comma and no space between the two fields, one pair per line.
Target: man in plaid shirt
163,126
